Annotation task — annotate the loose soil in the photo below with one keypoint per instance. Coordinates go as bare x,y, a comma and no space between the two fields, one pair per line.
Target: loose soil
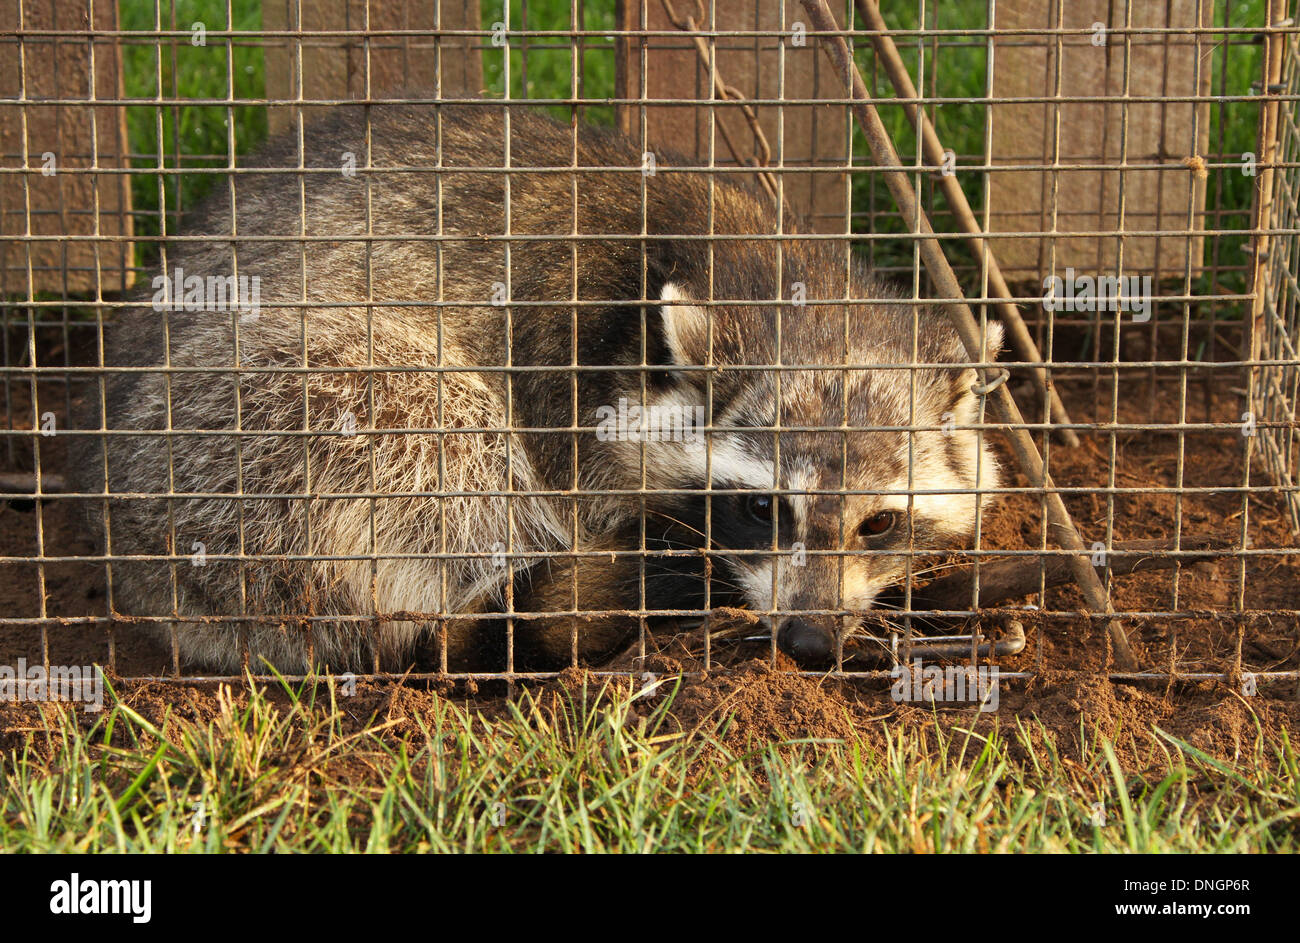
767,699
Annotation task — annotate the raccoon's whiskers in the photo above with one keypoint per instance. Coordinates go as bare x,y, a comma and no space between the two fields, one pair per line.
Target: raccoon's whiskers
664,573
674,520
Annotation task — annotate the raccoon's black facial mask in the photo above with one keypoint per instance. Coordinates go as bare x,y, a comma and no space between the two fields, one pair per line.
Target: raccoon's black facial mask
728,522
732,519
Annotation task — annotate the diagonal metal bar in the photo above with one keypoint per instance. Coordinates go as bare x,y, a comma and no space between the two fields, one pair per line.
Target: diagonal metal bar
936,263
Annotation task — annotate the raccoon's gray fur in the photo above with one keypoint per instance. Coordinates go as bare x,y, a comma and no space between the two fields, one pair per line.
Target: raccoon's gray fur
288,442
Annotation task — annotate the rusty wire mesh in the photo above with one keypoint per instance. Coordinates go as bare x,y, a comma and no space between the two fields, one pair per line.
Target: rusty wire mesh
1170,410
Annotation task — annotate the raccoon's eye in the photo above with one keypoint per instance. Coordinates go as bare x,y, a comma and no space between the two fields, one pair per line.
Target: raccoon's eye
759,507
878,524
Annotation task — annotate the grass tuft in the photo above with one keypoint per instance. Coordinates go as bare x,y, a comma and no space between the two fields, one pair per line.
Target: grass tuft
601,769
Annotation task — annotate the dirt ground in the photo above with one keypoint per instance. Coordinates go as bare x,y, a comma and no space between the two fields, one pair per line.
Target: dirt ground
1066,652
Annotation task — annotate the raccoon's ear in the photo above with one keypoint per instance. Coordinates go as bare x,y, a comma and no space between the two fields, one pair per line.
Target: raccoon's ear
993,340
685,326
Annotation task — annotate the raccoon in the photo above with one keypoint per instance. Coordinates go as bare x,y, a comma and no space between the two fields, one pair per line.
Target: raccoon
434,430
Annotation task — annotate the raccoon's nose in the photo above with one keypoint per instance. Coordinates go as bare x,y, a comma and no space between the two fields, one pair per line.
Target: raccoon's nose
806,642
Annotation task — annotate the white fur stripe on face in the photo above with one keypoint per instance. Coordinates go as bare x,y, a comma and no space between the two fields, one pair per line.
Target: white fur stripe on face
755,580
731,464
951,513
802,478
944,507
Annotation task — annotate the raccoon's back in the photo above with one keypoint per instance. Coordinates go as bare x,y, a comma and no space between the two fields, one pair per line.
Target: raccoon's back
390,247
424,211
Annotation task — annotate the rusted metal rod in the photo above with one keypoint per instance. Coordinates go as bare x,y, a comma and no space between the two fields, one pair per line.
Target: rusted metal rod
1012,643
1001,580
932,150
26,484
1064,532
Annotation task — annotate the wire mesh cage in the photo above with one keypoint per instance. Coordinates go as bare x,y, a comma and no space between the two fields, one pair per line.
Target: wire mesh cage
458,340
1276,327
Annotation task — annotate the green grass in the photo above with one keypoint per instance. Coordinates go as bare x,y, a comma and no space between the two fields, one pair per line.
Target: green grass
542,66
594,773
187,138
957,70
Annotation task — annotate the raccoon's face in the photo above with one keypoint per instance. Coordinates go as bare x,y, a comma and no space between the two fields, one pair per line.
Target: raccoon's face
815,483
